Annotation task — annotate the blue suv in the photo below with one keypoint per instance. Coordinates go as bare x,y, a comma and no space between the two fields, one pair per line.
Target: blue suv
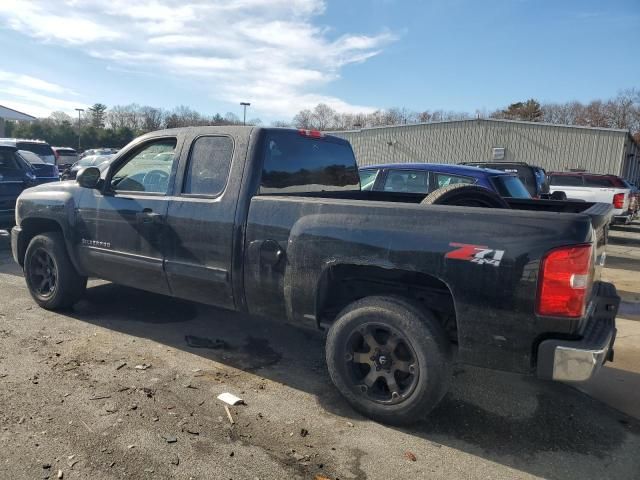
427,177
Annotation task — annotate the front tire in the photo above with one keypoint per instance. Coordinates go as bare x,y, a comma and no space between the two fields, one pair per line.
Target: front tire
52,279
390,358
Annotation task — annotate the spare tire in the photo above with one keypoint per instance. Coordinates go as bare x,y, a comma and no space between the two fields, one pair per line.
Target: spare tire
465,195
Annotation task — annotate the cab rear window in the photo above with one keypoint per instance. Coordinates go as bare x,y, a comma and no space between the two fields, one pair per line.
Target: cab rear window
294,163
566,180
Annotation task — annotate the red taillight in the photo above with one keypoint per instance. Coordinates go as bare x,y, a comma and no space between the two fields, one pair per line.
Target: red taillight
565,277
311,133
618,200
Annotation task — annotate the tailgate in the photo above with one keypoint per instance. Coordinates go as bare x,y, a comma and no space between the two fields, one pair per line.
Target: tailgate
600,214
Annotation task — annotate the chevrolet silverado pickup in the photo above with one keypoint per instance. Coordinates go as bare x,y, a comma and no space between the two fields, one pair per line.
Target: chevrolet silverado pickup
593,187
273,222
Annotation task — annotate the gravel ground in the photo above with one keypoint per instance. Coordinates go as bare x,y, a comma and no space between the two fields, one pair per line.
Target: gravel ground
73,401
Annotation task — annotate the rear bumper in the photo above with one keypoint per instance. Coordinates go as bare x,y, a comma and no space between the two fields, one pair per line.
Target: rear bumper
579,360
626,218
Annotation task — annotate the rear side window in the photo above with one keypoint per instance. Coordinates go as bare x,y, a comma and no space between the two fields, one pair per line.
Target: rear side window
209,163
294,163
8,161
599,182
566,180
368,179
444,180
407,181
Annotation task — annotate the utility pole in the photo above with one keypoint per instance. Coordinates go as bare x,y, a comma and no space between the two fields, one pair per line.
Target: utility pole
79,110
244,115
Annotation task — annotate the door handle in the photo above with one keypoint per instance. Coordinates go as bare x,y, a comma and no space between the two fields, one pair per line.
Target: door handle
148,216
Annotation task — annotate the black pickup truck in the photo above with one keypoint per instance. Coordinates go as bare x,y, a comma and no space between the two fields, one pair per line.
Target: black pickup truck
273,222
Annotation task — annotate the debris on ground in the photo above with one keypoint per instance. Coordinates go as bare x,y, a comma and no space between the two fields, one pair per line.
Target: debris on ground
226,409
170,439
142,366
203,342
350,424
99,397
175,460
60,474
410,456
121,365
304,432
231,399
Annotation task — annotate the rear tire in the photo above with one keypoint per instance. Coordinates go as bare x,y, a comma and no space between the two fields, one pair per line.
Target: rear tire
461,194
390,358
52,279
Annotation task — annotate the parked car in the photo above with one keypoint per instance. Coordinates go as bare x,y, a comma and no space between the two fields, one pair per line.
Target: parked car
90,161
273,222
15,175
534,178
634,203
45,172
65,157
39,147
593,187
424,178
98,151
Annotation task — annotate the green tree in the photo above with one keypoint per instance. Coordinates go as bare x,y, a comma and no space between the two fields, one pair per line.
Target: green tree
529,111
97,114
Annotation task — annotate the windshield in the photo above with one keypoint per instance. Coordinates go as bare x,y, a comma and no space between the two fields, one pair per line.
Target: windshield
85,162
368,179
31,157
510,186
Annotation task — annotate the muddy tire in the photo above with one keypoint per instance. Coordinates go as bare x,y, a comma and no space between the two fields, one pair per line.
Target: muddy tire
466,196
390,358
52,279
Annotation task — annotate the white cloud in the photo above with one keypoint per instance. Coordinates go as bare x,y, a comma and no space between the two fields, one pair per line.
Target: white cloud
267,52
35,96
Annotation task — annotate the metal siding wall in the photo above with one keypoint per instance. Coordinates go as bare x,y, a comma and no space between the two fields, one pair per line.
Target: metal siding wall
552,147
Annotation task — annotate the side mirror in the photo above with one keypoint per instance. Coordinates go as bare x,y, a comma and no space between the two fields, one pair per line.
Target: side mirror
89,177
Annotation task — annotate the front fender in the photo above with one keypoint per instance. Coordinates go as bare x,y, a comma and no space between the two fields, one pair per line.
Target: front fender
39,209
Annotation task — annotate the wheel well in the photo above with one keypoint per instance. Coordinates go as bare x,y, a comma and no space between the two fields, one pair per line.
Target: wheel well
341,285
32,227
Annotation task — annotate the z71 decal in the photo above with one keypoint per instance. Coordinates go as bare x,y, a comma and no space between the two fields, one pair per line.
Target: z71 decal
479,254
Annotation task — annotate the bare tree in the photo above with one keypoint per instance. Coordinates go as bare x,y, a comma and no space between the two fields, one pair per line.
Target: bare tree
59,118
303,119
281,124
151,118
323,117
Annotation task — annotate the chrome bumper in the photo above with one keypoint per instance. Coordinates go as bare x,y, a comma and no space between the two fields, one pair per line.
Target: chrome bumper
579,360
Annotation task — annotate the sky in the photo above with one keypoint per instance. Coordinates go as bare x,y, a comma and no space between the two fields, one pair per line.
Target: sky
283,56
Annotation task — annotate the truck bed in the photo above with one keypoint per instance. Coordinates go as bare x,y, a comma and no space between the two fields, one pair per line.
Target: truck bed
600,213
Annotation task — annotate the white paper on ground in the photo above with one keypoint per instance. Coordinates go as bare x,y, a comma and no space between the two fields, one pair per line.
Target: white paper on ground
230,399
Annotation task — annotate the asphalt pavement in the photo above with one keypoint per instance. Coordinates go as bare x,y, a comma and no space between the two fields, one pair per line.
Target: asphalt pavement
125,385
